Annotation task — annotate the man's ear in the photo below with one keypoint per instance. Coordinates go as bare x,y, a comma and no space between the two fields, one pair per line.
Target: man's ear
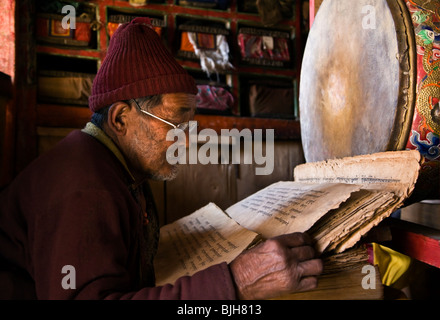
117,118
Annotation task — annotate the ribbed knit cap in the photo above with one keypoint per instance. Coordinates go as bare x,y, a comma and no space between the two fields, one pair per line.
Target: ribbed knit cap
137,65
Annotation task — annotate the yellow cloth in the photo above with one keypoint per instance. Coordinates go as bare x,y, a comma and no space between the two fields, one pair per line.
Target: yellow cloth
393,266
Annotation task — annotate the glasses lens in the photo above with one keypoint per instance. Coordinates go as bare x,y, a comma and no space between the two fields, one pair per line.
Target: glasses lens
183,126
187,125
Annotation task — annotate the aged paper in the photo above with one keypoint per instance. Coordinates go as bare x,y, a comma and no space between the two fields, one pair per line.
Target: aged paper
389,177
287,207
198,241
396,171
343,278
343,225
364,225
336,201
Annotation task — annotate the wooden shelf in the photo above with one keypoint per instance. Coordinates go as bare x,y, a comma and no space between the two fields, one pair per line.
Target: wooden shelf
53,115
284,129
232,13
71,52
416,241
33,116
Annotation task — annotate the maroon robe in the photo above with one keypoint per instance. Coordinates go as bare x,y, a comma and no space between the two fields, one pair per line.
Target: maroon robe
77,206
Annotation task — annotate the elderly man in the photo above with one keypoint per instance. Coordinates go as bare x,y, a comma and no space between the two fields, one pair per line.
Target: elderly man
86,203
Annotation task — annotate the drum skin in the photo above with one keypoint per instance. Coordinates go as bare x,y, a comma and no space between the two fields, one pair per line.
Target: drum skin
370,82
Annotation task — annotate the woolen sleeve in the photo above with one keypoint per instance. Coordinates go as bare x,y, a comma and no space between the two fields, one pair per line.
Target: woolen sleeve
92,232
213,283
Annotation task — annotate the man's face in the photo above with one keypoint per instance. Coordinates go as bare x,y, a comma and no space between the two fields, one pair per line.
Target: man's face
147,144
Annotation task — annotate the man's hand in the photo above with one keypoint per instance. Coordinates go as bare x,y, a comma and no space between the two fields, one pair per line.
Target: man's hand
278,266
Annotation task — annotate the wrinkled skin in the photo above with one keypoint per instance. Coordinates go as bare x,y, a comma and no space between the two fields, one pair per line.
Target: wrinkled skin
275,267
278,266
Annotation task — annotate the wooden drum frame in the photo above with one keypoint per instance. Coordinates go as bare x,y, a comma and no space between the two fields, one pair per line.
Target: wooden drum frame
370,82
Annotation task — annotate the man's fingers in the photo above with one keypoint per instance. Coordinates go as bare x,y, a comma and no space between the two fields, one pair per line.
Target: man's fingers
310,267
307,283
302,253
310,271
279,265
294,240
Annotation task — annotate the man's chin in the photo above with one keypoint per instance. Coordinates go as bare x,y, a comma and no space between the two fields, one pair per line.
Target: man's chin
171,174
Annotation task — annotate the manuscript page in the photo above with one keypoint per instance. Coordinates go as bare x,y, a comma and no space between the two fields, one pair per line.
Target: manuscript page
288,207
389,176
343,227
395,171
341,199
198,241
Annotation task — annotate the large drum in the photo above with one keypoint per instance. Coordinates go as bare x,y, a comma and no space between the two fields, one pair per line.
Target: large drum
370,82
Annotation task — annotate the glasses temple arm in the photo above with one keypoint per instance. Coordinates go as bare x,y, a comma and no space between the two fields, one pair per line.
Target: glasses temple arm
152,115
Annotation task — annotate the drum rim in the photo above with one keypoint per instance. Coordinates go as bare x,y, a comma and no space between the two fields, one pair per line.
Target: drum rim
400,129
408,75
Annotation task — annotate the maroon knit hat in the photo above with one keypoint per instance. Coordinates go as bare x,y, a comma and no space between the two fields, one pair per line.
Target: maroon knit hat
137,65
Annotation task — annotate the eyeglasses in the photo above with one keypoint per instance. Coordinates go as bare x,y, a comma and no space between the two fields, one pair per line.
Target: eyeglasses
190,125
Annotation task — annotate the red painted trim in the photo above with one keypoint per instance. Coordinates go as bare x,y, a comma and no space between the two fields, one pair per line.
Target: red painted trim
51,115
417,242
77,53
